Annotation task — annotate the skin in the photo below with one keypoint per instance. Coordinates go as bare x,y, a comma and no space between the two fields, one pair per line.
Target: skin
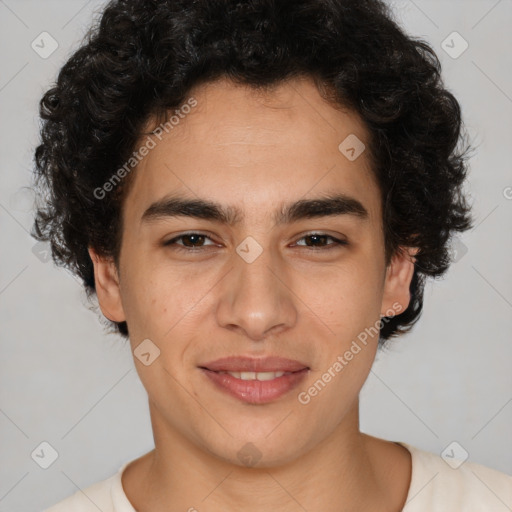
255,152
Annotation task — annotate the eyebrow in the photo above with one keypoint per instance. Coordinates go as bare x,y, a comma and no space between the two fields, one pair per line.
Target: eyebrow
327,206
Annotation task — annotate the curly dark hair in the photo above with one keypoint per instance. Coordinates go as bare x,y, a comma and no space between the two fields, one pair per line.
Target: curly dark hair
141,59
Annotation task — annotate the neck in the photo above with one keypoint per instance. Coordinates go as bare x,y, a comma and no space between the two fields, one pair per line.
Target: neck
345,468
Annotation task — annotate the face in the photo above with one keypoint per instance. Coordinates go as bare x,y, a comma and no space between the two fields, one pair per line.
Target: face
264,274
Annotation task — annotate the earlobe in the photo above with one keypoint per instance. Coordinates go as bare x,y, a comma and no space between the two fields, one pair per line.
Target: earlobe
399,273
106,280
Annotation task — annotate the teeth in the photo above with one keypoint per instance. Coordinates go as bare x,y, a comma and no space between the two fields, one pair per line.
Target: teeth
256,375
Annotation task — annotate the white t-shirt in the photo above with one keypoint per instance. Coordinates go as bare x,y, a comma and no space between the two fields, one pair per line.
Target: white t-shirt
435,487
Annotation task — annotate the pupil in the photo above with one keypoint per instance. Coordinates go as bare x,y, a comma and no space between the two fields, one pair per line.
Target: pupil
189,237
317,238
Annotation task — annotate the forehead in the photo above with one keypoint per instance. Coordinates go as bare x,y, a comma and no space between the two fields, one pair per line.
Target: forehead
250,147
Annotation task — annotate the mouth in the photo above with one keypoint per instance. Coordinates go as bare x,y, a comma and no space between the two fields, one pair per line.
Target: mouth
255,381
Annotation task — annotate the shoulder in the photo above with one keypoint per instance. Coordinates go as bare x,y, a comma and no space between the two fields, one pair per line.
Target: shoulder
89,499
450,485
106,495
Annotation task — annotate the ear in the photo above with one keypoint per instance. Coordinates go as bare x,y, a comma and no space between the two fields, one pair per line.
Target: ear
397,281
106,279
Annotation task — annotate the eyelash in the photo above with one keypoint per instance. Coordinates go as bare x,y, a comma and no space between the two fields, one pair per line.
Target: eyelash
175,246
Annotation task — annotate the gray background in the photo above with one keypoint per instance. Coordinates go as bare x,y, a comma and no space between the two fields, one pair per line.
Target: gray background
65,382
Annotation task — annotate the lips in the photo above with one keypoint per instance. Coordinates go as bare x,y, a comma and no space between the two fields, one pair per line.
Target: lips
255,380
251,364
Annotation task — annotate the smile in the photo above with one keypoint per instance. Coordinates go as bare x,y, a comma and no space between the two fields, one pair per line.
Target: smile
255,381
256,375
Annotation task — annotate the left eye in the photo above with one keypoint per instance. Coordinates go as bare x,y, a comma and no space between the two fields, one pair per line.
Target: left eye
320,238
197,241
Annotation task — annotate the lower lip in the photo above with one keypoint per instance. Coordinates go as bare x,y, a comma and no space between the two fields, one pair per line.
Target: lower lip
256,391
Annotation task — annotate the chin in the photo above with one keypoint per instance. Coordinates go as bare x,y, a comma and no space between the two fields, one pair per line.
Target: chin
260,451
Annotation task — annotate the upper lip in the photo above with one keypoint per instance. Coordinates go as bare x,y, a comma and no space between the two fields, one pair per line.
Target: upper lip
251,364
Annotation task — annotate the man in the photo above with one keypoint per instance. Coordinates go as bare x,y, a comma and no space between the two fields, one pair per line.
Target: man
256,192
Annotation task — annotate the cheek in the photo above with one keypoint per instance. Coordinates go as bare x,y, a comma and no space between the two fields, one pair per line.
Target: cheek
346,296
349,304
160,301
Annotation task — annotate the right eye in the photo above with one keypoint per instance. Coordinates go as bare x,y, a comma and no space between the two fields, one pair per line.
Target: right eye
192,241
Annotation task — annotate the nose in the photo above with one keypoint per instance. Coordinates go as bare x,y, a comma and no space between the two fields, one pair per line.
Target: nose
255,298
